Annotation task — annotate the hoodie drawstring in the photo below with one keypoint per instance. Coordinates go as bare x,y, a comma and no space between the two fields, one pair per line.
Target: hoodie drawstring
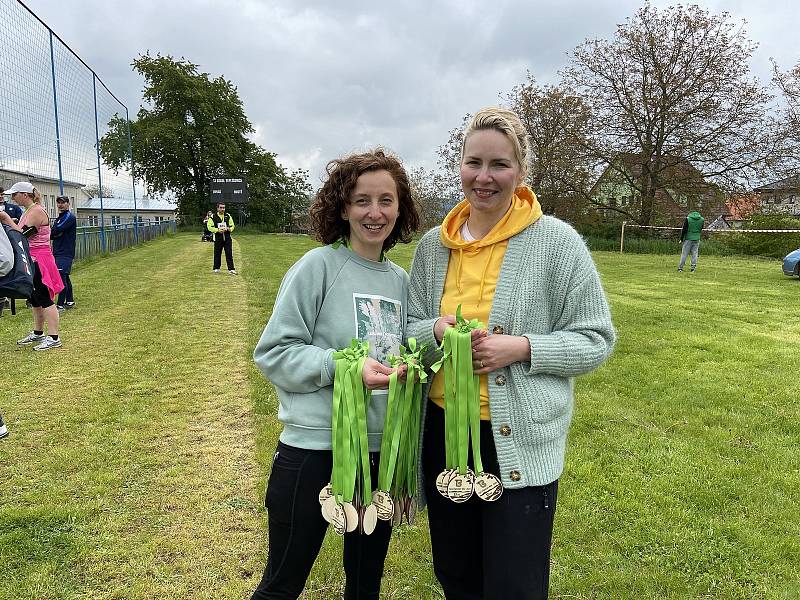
483,273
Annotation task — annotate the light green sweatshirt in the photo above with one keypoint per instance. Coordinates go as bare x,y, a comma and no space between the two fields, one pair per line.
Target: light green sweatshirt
327,298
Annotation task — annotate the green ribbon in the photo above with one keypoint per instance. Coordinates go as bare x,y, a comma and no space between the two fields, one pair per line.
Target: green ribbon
461,395
349,425
398,465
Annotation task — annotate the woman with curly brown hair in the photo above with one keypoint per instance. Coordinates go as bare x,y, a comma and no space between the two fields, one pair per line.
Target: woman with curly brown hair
343,290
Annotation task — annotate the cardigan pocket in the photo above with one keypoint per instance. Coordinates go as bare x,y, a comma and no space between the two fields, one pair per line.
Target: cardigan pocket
550,397
542,407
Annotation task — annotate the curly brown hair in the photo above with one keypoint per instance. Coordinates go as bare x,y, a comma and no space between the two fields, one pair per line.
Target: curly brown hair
343,173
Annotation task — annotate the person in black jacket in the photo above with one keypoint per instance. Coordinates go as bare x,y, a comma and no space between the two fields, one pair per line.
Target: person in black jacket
221,225
64,233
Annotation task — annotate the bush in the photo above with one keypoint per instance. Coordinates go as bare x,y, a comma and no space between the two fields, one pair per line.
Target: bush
773,245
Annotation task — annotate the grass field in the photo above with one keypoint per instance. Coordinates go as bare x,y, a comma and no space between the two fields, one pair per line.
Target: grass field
138,452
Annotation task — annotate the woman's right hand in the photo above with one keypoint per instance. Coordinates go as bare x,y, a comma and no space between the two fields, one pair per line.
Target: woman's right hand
446,321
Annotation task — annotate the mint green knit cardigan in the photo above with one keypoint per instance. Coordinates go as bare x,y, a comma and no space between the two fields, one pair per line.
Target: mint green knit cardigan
549,291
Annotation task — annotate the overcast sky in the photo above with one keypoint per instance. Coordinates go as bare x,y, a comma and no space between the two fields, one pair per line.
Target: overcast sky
323,78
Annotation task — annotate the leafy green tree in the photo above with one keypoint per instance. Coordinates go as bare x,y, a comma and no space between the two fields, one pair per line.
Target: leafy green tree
277,196
193,128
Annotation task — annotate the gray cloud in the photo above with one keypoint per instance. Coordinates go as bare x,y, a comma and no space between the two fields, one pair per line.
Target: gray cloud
319,79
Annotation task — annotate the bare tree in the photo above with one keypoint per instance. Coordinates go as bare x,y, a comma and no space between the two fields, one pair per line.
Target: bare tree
449,160
673,89
556,119
789,85
93,191
433,194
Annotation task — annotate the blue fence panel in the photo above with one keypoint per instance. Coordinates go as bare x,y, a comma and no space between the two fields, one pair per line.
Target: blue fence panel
94,241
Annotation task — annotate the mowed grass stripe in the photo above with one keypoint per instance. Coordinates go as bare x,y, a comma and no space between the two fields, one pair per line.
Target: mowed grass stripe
135,442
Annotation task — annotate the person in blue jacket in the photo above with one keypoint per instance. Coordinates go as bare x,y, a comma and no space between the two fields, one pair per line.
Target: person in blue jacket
63,233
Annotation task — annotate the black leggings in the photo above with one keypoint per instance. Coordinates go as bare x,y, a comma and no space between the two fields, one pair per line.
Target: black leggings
41,293
297,529
487,550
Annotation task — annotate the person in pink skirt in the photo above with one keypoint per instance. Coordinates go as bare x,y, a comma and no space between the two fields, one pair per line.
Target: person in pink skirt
35,225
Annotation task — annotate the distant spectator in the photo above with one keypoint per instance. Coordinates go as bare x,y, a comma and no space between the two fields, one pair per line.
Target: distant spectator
35,225
690,238
207,235
221,225
14,211
63,234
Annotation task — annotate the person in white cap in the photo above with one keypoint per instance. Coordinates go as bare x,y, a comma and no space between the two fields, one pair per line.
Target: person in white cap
35,225
14,211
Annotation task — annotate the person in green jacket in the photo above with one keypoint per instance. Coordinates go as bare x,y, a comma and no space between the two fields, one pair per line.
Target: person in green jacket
690,238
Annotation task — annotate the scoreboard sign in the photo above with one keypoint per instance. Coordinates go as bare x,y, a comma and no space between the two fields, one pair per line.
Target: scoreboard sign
230,190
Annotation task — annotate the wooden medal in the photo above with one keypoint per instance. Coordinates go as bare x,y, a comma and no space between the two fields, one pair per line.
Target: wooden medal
384,505
488,487
443,480
327,509
397,517
411,510
325,493
338,519
460,487
369,519
351,516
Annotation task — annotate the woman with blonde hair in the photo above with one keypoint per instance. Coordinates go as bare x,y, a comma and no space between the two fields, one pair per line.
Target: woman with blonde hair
47,283
530,278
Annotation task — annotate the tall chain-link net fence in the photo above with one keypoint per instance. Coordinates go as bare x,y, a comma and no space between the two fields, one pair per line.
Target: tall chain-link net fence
53,111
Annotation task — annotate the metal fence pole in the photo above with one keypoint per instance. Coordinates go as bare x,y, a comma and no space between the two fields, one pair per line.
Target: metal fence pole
133,177
622,237
55,108
99,175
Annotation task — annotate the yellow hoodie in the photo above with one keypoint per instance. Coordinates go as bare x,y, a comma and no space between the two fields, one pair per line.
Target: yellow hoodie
474,267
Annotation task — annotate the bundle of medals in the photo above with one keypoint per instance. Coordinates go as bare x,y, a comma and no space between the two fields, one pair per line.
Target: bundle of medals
348,501
462,404
397,472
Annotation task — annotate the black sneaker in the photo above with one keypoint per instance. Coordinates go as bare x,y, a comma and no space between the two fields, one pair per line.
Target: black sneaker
69,305
3,428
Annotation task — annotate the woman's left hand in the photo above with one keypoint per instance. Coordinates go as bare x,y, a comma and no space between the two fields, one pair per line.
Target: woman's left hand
375,374
497,351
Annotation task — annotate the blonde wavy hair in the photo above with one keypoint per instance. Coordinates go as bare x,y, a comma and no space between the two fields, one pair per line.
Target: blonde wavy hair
506,122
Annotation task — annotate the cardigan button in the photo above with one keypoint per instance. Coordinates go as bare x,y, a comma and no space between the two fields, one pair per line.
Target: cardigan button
500,380
497,329
515,475
505,430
